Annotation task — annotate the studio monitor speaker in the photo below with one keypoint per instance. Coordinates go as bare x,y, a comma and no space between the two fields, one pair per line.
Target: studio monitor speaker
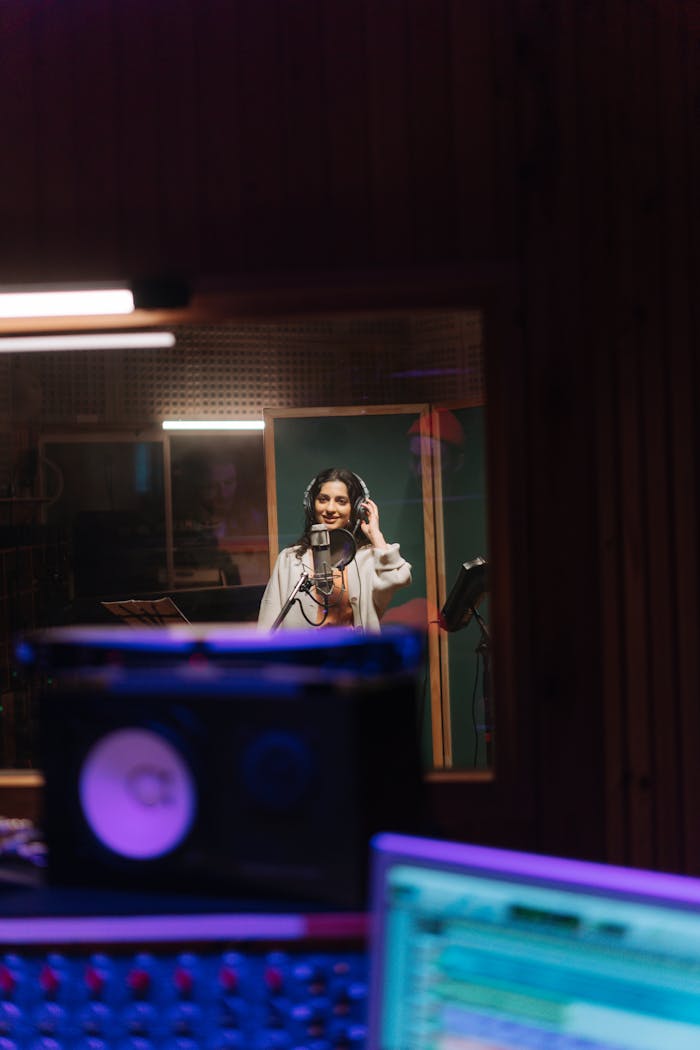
225,763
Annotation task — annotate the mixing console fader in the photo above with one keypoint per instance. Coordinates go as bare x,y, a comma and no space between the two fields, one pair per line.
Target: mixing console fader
183,982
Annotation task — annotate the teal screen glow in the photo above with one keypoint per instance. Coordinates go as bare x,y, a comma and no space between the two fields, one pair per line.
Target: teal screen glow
472,962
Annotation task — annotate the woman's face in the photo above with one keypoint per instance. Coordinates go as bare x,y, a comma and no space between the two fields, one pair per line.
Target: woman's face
332,505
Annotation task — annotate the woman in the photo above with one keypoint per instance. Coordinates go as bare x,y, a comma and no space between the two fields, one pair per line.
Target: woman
337,499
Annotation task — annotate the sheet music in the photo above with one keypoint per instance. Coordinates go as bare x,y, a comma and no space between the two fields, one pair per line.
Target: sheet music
157,613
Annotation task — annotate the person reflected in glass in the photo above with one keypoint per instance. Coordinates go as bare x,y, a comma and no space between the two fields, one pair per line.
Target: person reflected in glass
217,520
439,436
362,590
227,512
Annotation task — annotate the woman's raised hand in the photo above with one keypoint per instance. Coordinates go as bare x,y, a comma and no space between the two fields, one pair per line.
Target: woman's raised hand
370,527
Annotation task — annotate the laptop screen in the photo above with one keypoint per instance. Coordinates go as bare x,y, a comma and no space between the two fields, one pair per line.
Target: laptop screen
483,949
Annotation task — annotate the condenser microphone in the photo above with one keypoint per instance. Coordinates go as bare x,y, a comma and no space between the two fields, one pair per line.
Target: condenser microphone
321,552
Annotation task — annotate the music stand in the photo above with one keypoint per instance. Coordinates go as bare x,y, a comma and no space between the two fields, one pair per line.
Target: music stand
159,612
461,606
466,595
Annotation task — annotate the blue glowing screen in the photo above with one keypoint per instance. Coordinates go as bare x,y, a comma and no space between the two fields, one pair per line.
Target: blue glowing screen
477,949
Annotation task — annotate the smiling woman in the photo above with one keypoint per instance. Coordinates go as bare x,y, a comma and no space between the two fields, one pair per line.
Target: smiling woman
435,506
359,593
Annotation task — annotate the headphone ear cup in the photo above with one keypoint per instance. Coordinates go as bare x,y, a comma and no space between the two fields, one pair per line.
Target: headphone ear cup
308,508
358,511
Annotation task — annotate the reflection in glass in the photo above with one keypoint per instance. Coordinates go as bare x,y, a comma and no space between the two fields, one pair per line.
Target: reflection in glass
219,515
108,496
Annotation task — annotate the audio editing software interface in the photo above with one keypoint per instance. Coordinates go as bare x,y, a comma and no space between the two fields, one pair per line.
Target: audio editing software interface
486,950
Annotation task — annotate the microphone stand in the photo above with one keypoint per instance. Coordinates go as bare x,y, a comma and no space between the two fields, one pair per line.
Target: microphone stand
303,584
484,649
343,549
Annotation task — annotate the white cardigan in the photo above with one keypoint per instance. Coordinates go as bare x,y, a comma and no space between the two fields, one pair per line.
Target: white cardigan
371,579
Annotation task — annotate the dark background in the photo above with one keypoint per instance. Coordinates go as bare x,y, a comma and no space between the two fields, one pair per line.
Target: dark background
538,159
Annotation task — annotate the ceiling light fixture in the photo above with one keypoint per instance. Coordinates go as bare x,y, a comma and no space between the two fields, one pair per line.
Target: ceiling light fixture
66,301
87,341
213,424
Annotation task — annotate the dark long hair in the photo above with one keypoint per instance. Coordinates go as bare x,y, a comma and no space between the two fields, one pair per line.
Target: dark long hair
356,493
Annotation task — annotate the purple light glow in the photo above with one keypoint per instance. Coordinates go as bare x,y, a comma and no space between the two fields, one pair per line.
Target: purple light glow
117,649
422,373
183,639
158,928
679,889
137,794
161,929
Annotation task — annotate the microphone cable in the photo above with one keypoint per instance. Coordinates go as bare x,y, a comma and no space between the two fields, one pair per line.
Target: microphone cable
422,704
359,593
474,699
326,605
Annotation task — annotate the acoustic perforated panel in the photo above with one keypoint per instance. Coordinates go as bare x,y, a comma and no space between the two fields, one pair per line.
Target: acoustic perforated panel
217,371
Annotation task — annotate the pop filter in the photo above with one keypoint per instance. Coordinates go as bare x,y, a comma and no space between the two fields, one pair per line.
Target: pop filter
343,548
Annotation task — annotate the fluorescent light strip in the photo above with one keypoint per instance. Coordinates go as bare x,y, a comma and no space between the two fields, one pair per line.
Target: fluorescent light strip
67,303
213,424
92,341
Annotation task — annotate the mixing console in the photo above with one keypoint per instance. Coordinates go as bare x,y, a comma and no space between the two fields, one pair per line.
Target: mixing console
199,982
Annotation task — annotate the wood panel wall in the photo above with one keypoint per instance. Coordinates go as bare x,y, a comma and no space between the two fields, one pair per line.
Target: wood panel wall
553,142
